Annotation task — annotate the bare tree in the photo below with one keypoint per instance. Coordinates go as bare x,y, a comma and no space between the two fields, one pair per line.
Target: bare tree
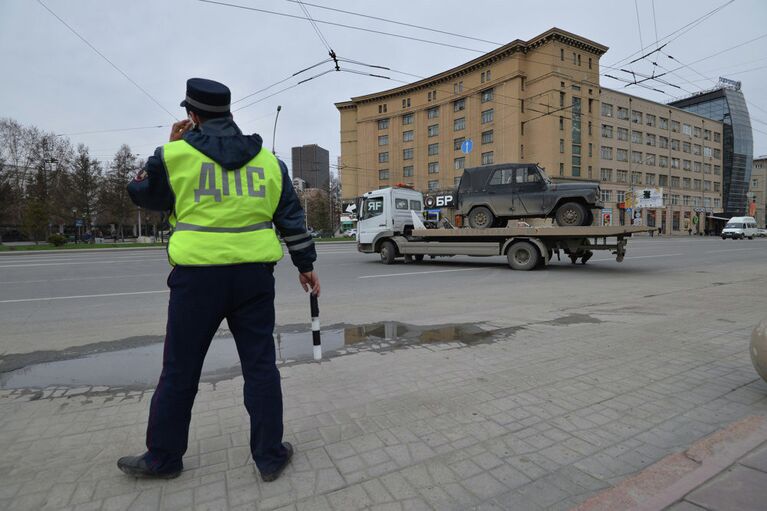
114,198
86,182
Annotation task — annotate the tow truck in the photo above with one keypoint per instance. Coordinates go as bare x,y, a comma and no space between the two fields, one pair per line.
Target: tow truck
390,225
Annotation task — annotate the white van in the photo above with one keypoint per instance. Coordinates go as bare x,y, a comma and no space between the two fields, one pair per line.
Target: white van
739,227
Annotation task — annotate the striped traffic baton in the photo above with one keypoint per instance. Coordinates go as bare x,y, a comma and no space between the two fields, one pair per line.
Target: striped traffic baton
316,326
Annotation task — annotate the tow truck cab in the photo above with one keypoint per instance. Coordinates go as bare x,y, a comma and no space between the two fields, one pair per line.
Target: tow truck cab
386,211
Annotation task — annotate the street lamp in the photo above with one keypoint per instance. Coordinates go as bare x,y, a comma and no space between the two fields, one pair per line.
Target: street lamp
274,131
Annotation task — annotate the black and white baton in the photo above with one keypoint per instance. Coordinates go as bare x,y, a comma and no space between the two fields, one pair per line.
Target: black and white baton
316,326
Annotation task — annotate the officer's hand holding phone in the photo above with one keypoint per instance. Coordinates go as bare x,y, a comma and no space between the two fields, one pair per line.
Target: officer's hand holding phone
179,128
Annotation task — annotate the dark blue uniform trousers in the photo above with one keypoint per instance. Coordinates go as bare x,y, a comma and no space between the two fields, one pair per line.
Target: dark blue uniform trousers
200,298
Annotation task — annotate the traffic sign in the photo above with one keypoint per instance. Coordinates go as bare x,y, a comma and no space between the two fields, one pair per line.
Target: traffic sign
79,222
467,146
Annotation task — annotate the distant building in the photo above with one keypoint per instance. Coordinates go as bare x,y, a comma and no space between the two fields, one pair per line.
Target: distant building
757,191
311,163
727,105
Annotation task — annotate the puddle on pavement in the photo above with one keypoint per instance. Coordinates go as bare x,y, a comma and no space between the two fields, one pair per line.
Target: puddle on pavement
139,366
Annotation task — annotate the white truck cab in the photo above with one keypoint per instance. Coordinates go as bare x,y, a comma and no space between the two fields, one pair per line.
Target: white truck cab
387,210
739,227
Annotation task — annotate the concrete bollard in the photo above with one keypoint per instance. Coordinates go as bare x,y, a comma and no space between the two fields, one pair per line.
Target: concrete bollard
759,349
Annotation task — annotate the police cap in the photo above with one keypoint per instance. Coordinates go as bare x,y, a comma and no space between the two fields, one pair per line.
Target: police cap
207,97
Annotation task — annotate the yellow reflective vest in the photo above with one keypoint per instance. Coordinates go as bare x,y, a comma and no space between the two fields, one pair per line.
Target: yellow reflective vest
222,217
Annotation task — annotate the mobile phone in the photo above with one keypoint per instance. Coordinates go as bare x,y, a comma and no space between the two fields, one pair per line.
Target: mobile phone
194,126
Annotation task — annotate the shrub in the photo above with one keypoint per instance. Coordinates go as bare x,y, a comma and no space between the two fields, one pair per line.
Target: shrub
56,240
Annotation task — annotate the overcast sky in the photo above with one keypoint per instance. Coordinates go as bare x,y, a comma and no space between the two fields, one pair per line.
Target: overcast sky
53,80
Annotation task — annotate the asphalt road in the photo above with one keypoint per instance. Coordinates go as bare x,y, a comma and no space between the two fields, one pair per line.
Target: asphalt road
55,301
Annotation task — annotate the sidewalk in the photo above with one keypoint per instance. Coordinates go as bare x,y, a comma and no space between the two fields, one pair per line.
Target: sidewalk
546,415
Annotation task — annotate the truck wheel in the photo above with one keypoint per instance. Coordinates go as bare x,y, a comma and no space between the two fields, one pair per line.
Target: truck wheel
523,256
481,218
571,214
388,252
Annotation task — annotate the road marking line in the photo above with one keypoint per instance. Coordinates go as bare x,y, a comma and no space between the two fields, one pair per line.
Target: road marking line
126,276
82,262
734,250
81,296
416,273
638,257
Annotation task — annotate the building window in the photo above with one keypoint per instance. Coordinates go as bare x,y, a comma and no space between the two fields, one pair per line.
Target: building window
662,180
649,179
649,119
433,186
561,123
561,54
589,62
606,174
650,159
607,131
606,153
623,113
686,183
717,137
717,202
383,124
591,150
636,157
561,145
407,171
607,110
663,162
675,126
486,95
383,174
383,140
433,167
717,186
433,130
706,134
459,105
623,134
606,195
707,168
663,123
686,165
487,158
686,147
687,129
707,152
487,137
620,196
622,155
457,87
663,142
636,178
407,154
650,139
487,116
406,103
459,124
408,136
717,153
459,163
383,157
636,116
674,144
407,119
457,143
696,131
674,163
636,137
433,112
382,109
433,149
589,128
561,99
696,166
706,186
674,181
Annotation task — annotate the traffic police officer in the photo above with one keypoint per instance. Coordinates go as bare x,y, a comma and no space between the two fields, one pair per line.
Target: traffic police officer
223,191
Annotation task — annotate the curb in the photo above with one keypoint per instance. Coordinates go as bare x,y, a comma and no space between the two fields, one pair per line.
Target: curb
670,479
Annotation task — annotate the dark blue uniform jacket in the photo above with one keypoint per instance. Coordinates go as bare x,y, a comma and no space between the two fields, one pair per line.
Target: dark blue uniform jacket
221,140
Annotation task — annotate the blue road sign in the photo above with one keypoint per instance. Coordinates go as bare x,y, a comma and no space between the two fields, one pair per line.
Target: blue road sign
467,146
79,222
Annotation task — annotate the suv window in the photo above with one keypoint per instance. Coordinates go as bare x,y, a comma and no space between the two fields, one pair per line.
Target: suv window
527,175
372,207
501,177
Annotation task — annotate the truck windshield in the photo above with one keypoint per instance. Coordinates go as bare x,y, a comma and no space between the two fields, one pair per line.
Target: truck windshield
371,207
733,225
544,176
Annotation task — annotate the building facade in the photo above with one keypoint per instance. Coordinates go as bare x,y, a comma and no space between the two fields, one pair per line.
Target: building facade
645,145
528,101
757,192
726,104
311,164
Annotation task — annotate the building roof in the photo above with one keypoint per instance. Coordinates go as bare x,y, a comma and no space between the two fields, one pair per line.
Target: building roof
515,46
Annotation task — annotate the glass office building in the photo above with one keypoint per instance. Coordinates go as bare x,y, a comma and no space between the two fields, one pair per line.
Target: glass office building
727,105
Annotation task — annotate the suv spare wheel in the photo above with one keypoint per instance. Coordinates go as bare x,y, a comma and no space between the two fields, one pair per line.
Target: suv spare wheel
481,218
571,214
